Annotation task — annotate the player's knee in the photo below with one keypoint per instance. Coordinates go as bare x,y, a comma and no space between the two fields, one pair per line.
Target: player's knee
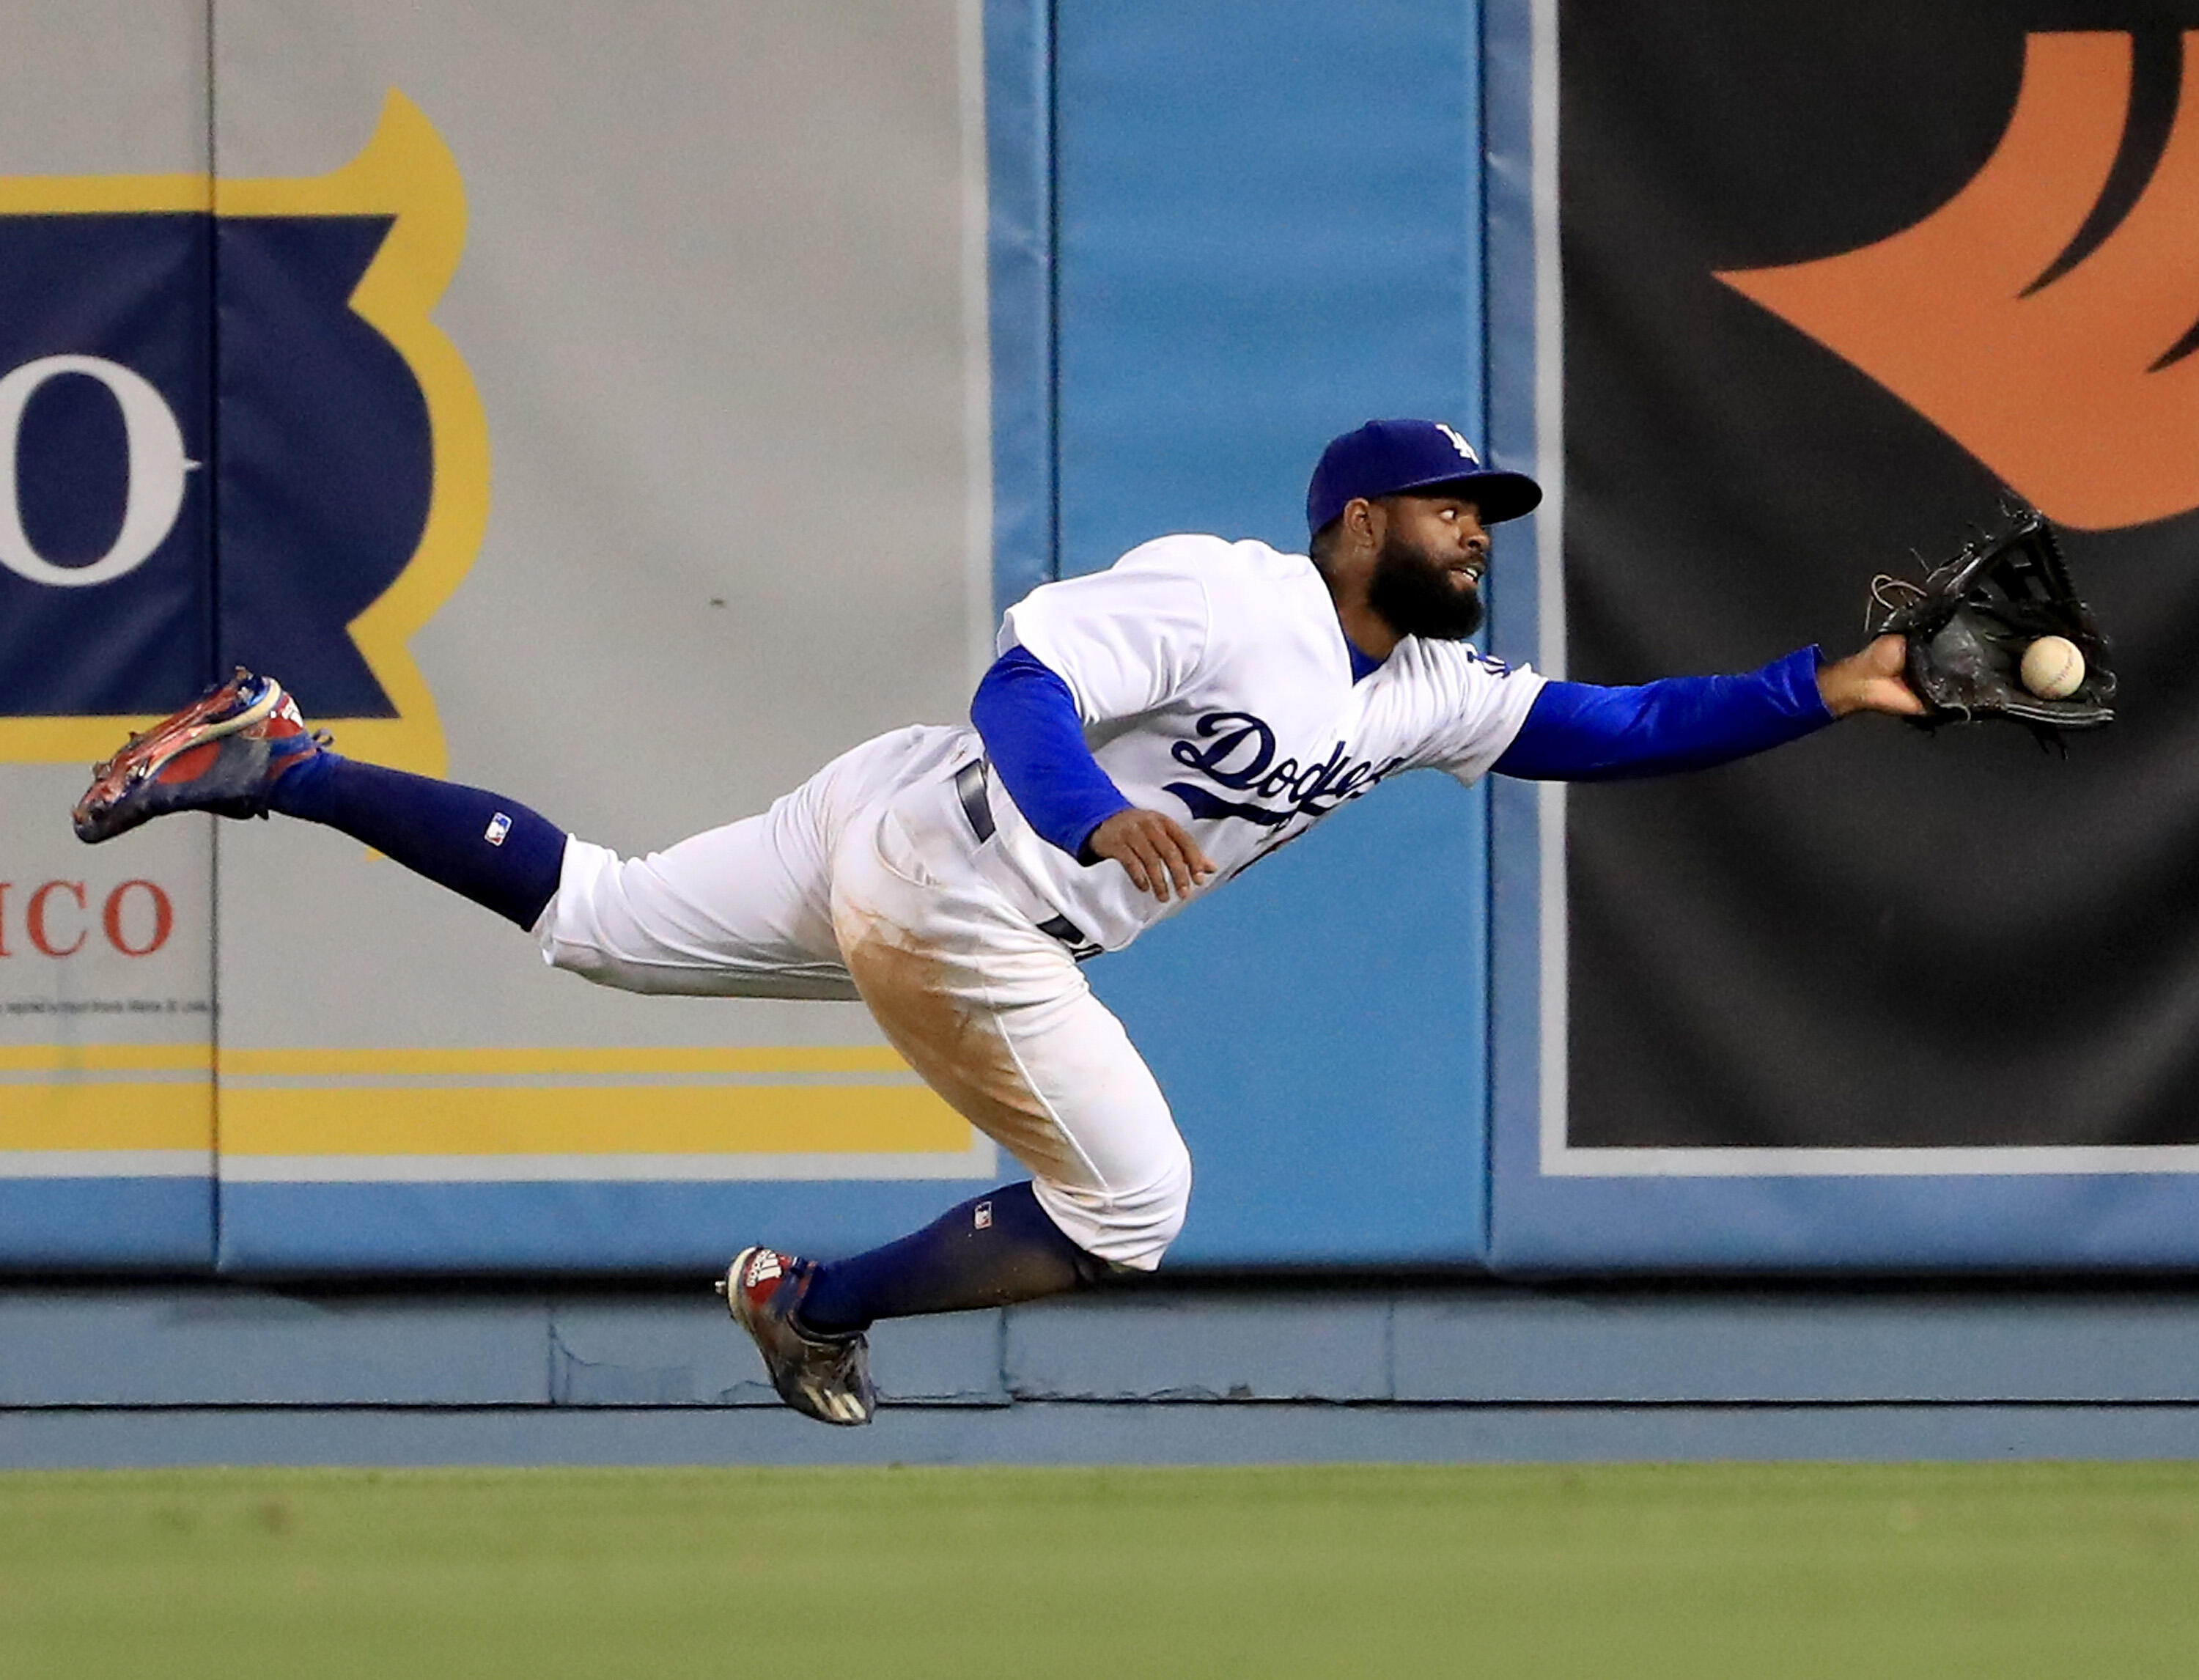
570,947
1170,1200
570,928
590,962
1129,1226
590,926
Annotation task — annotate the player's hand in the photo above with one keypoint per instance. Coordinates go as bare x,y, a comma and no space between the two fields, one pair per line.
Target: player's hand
1155,849
1870,681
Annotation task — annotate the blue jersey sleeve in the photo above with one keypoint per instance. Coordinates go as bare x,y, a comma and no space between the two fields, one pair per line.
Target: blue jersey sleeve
1028,719
1579,733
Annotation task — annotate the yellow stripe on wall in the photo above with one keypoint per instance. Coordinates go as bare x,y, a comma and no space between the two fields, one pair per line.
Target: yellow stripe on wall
93,1115
662,1120
114,1096
75,1058
552,1060
103,195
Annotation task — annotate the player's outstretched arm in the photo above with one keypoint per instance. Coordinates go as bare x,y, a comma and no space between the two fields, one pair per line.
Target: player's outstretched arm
1156,850
1871,681
1581,733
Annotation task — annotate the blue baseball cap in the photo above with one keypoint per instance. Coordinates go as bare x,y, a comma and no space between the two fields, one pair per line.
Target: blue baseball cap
1390,458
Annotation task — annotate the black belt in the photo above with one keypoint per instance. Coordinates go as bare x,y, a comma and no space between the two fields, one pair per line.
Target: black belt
977,811
969,789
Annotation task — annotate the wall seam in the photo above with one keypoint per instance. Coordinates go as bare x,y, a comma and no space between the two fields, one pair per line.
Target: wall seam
211,471
1487,421
1022,294
1050,15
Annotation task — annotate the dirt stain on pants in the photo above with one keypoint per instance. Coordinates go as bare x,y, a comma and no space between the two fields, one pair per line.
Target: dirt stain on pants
956,1045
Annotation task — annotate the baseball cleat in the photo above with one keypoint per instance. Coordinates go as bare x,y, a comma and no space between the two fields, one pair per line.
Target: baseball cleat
220,754
827,1377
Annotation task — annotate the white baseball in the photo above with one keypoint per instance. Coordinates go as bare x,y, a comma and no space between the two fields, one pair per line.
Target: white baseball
2053,669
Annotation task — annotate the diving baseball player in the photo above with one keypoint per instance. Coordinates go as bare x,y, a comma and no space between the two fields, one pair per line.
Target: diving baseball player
1146,734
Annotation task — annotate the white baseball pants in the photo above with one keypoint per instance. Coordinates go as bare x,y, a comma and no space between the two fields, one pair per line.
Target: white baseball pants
870,880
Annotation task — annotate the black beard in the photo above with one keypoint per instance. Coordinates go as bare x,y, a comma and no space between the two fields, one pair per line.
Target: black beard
1415,595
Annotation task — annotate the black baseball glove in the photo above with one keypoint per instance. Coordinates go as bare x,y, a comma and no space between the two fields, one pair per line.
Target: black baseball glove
1970,622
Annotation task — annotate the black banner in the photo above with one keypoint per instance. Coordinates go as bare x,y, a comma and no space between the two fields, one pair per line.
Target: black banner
1875,937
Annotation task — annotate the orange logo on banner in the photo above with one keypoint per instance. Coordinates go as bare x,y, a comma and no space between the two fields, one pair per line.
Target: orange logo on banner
2076,391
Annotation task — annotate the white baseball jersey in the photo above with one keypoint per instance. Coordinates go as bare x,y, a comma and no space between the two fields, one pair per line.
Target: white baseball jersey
1215,684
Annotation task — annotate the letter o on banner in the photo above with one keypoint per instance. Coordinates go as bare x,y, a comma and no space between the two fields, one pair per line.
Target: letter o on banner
164,918
157,467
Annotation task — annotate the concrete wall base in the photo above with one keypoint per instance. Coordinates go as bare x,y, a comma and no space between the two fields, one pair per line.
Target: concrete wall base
1170,1372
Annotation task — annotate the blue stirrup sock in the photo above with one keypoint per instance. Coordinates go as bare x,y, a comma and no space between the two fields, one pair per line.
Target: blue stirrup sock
495,851
991,1252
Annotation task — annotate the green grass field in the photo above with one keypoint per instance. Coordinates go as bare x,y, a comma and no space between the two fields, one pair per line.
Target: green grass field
1739,1570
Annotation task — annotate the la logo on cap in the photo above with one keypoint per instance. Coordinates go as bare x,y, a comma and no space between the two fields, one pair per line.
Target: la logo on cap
1459,443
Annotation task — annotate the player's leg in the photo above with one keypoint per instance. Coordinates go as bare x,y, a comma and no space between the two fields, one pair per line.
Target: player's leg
808,1316
992,1250
243,751
1043,1068
999,1021
495,851
1004,1026
742,910
739,910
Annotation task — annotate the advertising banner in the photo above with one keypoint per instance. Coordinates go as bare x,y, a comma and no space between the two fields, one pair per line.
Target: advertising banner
614,438
593,408
105,620
1827,289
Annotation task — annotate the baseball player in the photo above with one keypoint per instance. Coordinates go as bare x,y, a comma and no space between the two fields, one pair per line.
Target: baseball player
1144,734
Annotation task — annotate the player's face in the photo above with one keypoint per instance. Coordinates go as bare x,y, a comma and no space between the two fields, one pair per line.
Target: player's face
1429,567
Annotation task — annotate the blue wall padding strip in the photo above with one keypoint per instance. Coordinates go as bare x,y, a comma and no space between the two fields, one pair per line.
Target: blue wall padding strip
1318,1028
1020,242
1269,234
2017,1224
1512,585
602,1227
106,1224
